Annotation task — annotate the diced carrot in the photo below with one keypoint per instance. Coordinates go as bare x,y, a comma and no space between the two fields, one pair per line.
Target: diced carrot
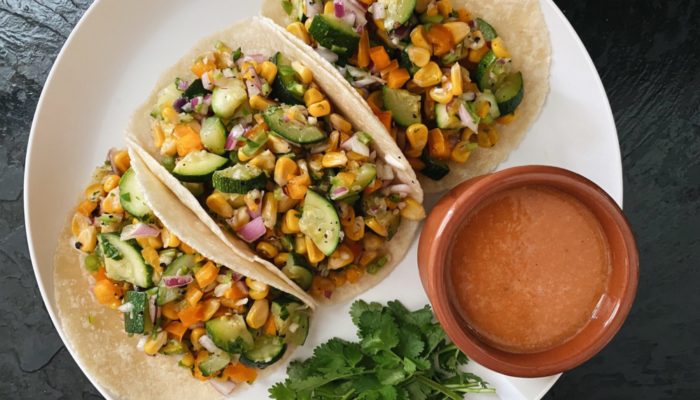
199,68
207,274
397,78
363,50
385,118
86,207
441,39
506,119
376,101
193,294
170,311
463,15
437,144
240,373
188,143
191,315
234,293
394,64
379,57
353,274
100,274
176,330
270,328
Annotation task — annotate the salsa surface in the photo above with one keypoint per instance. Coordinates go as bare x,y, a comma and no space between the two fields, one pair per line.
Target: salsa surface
530,266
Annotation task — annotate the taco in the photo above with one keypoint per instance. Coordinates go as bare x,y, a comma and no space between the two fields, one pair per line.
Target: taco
272,155
456,83
166,301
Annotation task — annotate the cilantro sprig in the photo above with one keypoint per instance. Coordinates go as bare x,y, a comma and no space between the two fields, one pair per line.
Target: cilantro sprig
401,355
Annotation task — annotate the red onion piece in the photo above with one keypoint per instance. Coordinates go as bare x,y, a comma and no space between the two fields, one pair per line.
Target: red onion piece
182,85
312,8
467,119
258,209
235,277
207,99
339,7
208,344
257,57
242,287
253,85
253,230
177,281
339,192
179,103
327,294
138,231
377,9
232,138
354,144
153,310
400,188
206,82
224,387
359,11
112,152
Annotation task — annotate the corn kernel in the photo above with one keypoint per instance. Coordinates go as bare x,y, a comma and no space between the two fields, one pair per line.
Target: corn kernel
428,76
305,75
482,110
111,203
499,48
418,55
456,79
285,168
378,228
299,30
312,96
87,239
122,161
269,210
266,249
334,159
340,123
281,259
506,119
194,338
268,71
444,7
150,255
169,114
158,135
300,244
265,161
86,207
169,239
418,38
259,103
217,203
94,192
413,210
110,182
154,344
320,109
258,313
290,223
259,294
312,252
459,30
329,8
441,95
340,258
417,135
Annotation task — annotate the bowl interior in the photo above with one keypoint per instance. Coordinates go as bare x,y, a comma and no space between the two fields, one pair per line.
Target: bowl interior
612,308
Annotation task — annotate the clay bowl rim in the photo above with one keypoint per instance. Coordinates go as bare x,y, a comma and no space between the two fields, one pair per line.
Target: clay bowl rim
455,206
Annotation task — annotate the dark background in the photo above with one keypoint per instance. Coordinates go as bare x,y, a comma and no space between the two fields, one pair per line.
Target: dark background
648,56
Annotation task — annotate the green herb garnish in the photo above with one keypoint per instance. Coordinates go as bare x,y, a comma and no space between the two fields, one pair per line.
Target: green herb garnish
401,354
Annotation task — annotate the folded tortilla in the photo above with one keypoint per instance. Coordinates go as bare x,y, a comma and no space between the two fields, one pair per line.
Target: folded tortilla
96,334
523,28
258,35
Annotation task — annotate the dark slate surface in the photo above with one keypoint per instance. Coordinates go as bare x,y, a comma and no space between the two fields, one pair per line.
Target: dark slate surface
648,55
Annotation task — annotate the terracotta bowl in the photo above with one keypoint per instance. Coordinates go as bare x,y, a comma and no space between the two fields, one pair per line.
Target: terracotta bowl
437,239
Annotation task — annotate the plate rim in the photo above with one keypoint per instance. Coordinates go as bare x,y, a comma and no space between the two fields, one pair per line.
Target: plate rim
66,47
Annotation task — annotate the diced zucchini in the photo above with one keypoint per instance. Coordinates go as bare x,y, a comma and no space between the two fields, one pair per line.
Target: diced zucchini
230,333
138,319
363,177
213,135
405,106
375,206
320,222
483,70
447,115
214,363
123,262
266,351
334,34
173,347
486,30
294,131
226,100
241,178
180,267
286,87
131,196
434,169
195,89
298,270
397,12
198,166
510,93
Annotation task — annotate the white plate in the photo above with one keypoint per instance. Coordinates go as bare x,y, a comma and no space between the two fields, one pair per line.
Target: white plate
118,50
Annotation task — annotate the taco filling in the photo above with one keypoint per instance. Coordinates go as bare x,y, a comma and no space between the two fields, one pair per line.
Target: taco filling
258,143
439,79
220,325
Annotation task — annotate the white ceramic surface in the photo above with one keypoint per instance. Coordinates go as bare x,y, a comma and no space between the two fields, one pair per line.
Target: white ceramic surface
115,55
